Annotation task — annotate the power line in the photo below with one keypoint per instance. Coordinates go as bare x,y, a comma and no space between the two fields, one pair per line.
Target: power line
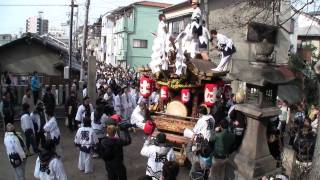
25,5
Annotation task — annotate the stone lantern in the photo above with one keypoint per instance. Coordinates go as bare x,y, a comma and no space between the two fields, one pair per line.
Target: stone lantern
262,80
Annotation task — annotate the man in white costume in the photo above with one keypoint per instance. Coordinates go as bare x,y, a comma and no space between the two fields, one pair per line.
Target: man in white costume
15,150
117,102
157,153
225,45
204,42
188,40
127,104
138,115
86,140
84,110
48,165
204,126
51,128
158,58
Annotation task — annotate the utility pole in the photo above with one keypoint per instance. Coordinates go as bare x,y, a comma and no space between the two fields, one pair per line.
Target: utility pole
70,41
84,42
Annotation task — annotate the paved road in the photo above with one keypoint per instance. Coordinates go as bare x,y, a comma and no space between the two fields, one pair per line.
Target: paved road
134,162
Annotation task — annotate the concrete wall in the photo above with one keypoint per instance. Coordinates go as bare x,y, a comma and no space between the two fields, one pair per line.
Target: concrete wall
146,22
25,58
224,17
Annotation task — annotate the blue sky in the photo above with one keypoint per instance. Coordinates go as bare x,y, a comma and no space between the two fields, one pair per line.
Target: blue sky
13,18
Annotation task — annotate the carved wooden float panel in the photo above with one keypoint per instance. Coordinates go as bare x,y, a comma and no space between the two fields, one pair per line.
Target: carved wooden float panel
172,124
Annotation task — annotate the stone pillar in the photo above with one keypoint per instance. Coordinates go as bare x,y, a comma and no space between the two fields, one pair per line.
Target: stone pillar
92,78
254,159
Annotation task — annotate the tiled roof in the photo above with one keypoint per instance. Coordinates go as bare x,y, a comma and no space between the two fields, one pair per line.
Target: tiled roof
153,4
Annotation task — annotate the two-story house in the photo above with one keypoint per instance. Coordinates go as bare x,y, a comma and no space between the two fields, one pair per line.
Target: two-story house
132,38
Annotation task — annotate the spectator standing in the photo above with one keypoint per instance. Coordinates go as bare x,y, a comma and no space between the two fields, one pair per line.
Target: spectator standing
71,110
39,120
35,86
8,110
111,151
222,143
15,148
28,128
49,99
28,99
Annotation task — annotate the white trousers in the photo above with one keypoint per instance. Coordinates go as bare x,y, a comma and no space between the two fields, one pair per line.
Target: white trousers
20,171
85,162
224,63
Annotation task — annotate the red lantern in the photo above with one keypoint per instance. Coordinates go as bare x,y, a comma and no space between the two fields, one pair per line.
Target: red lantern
145,86
227,92
185,95
210,94
164,92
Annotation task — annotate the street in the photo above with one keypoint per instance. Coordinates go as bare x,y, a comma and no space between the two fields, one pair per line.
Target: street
135,163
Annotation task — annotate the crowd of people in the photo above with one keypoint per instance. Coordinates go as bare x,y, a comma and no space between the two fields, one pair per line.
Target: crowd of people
102,128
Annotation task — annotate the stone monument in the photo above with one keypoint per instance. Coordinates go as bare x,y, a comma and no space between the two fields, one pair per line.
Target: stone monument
262,79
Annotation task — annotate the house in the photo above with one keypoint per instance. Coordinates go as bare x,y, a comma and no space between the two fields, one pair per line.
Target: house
132,32
307,35
5,38
107,39
178,16
31,53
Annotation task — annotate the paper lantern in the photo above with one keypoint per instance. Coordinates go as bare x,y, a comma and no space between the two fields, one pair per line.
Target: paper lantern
164,92
145,86
185,95
227,92
210,94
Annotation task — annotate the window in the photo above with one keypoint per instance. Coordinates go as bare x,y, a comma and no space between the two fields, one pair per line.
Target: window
138,43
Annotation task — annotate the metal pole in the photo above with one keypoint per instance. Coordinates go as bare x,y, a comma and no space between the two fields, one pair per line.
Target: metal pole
70,42
84,42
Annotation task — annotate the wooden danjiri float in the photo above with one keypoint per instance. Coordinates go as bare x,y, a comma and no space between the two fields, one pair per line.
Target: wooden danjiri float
180,97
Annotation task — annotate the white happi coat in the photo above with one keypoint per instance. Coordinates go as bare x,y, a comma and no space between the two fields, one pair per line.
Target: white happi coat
180,63
52,129
12,144
56,170
99,127
85,138
224,40
205,126
138,117
157,156
26,123
158,57
81,112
